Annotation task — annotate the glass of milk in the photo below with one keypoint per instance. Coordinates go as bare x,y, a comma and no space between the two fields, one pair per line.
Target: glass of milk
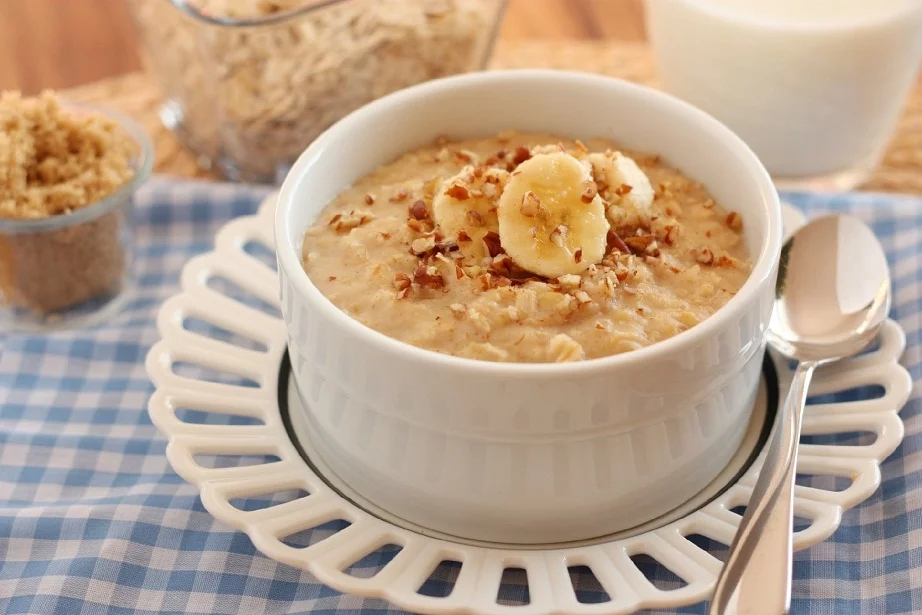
815,87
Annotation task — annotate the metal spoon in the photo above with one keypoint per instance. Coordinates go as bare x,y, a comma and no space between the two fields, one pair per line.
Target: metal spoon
832,296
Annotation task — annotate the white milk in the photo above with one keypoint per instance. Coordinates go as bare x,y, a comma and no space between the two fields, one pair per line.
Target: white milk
813,86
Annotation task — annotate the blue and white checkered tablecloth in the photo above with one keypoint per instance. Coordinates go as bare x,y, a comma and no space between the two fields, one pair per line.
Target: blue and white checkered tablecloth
92,519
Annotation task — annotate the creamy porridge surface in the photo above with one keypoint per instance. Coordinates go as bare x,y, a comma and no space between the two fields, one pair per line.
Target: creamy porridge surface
527,248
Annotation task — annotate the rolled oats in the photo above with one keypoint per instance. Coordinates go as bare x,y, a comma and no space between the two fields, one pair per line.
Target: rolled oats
252,98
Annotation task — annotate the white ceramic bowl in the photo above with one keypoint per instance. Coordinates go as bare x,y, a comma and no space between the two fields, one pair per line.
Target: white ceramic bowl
527,453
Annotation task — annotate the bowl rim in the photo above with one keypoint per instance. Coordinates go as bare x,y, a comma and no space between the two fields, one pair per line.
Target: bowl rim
290,263
143,164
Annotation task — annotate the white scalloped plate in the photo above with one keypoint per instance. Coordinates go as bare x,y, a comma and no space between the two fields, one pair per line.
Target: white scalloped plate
482,566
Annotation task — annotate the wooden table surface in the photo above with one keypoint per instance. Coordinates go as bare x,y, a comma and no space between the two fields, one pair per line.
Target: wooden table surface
63,43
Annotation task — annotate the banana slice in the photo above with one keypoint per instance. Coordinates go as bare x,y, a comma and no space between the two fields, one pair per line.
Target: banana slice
617,170
464,208
551,219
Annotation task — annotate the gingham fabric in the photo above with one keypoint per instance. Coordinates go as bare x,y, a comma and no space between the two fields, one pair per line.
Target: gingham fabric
92,519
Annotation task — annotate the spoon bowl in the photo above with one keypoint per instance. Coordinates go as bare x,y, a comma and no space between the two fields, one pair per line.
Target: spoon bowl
832,296
833,290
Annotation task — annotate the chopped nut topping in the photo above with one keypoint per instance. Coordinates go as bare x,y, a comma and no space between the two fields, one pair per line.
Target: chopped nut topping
492,243
401,281
569,281
521,155
415,224
464,155
582,296
459,272
422,245
463,237
428,277
623,189
734,221
563,348
639,243
703,255
457,309
400,195
615,242
590,190
346,222
474,218
489,190
559,235
402,294
369,199
578,255
671,233
581,146
531,204
457,191
331,278
418,210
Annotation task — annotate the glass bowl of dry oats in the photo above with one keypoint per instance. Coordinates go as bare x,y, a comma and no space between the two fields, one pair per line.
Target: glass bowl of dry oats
68,177
248,84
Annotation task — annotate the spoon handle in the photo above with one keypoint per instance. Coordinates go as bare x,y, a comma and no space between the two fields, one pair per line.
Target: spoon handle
756,580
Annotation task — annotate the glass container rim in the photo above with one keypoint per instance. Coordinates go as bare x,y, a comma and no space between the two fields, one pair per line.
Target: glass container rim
235,22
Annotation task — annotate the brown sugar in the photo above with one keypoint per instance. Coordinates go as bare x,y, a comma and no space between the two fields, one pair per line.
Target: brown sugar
53,163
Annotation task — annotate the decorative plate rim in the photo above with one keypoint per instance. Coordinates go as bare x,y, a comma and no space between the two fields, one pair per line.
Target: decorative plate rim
478,582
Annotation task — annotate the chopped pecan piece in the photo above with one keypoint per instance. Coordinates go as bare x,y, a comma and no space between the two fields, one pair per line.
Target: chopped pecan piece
623,189
422,245
474,218
559,235
418,210
734,221
639,243
521,155
369,199
569,281
590,190
463,237
428,277
492,243
457,191
615,242
703,256
401,281
578,255
531,204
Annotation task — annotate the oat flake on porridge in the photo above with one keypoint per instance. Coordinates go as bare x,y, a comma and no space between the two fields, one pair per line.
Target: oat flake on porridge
527,248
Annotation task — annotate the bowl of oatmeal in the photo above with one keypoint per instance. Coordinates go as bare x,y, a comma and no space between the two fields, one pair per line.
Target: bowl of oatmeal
527,306
69,176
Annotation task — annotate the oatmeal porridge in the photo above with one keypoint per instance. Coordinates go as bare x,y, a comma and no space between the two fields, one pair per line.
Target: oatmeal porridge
527,248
